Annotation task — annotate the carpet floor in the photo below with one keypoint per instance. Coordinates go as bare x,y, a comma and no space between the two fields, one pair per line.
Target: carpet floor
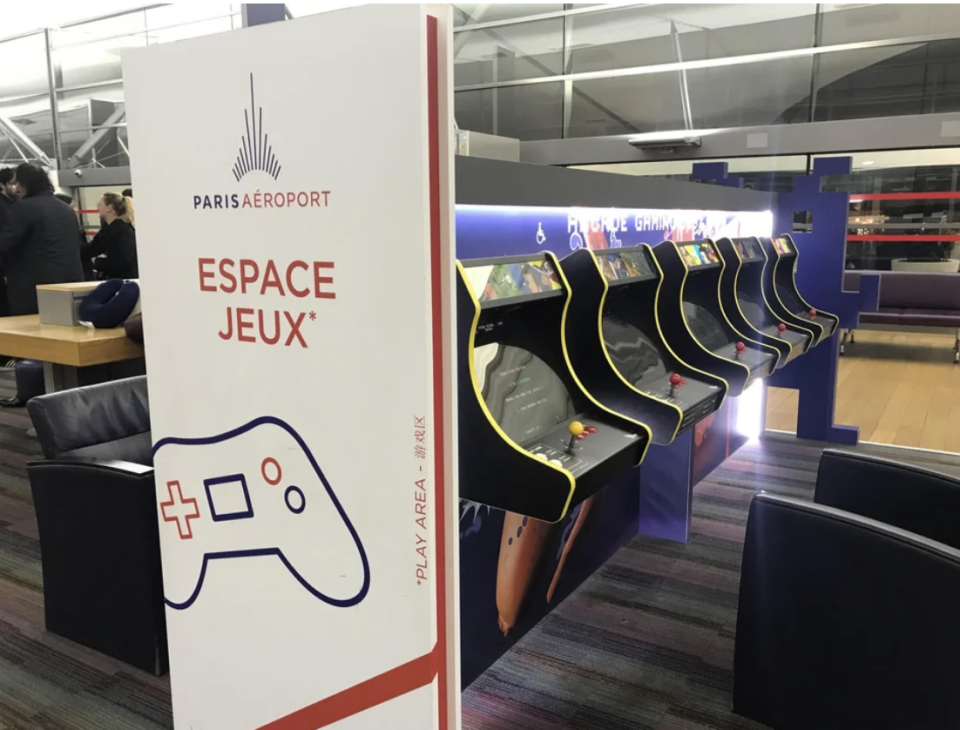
647,642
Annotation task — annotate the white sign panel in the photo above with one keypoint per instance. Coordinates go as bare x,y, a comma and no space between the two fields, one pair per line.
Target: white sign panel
289,183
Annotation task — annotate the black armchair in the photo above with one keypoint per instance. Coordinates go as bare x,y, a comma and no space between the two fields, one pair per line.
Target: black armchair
844,623
95,503
918,500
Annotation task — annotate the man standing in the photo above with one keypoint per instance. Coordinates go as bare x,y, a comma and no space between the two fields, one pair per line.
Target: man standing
9,192
38,244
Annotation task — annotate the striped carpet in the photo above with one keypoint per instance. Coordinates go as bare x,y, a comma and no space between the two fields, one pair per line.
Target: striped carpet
645,643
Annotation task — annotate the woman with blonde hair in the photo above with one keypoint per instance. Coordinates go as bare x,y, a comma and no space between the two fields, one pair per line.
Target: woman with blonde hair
114,248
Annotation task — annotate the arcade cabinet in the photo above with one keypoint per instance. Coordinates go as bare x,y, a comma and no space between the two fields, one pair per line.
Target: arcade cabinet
533,440
690,313
780,289
625,361
741,294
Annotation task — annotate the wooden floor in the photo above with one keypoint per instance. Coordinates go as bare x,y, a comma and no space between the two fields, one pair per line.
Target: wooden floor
898,388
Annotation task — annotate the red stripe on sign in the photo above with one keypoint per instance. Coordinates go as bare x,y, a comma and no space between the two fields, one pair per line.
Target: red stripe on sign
948,195
904,237
436,280
382,688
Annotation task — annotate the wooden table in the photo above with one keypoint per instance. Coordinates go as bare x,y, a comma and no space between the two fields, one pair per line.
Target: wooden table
71,356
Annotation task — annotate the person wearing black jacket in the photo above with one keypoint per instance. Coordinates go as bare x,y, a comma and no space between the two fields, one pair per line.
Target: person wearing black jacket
81,236
8,196
38,245
114,248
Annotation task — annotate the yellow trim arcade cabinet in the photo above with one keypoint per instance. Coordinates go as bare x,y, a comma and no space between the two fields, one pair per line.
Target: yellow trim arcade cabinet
689,310
622,356
533,440
780,289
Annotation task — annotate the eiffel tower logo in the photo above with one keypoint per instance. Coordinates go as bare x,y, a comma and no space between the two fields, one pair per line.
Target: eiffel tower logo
256,152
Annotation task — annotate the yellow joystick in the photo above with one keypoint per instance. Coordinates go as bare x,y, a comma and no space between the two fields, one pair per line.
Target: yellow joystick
575,428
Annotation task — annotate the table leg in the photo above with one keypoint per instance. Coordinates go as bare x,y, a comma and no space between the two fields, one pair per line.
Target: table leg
59,377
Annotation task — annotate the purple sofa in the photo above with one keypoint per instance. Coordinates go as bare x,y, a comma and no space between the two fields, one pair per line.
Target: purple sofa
909,299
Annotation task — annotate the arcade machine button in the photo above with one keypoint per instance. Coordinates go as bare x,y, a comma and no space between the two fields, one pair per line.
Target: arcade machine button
590,429
556,462
582,436
542,457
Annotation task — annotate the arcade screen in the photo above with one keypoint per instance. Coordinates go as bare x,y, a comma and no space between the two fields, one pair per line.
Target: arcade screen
632,353
700,253
747,248
624,265
782,245
704,326
524,395
504,281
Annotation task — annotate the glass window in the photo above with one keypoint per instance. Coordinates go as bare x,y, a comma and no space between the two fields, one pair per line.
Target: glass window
619,39
644,36
774,92
470,13
844,23
898,195
626,105
508,53
523,112
97,30
24,64
721,31
90,63
167,16
194,29
873,82
177,21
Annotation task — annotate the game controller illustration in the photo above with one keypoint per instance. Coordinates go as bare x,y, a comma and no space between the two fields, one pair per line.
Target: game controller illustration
256,491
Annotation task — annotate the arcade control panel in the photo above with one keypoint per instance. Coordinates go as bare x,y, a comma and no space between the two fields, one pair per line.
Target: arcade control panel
577,445
695,398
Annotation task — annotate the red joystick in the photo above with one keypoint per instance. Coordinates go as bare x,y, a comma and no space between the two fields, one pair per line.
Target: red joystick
741,347
675,382
813,313
781,328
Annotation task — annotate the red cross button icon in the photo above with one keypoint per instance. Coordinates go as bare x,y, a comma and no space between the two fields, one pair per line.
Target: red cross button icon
180,510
